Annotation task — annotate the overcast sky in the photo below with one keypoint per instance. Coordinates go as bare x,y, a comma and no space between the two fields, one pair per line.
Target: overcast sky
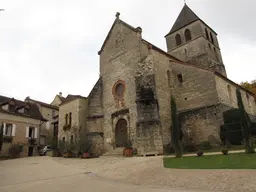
51,46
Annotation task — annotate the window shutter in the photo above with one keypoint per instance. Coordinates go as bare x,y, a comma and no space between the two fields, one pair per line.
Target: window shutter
13,129
35,133
4,128
27,131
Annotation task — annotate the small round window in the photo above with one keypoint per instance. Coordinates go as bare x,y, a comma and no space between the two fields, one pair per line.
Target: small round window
119,90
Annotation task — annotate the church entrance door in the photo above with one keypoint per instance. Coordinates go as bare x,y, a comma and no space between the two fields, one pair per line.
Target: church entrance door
121,135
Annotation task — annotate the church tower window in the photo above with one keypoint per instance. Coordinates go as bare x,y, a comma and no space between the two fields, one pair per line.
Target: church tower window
178,39
180,78
230,94
187,35
168,78
206,33
211,38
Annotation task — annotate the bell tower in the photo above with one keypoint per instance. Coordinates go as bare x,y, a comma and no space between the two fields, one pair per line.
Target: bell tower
192,40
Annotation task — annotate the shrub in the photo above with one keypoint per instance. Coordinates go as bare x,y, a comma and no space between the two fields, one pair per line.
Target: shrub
224,151
168,149
205,145
14,150
199,153
190,148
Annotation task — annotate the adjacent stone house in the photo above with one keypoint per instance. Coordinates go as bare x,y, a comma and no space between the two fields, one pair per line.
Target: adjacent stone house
22,123
131,99
72,117
49,112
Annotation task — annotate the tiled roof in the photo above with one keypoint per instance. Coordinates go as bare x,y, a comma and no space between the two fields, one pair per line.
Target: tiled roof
43,104
72,98
34,112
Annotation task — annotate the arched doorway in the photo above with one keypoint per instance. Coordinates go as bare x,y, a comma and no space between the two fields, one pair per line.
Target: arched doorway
121,134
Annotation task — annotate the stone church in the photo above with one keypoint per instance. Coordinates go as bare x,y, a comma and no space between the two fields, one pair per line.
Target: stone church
131,99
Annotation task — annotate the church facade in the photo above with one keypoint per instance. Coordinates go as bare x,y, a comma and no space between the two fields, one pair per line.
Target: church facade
131,99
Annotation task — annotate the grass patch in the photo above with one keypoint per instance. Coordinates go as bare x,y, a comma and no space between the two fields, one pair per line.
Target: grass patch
231,161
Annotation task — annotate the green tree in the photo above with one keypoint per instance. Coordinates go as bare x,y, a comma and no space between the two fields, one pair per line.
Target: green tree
1,136
251,86
175,131
245,123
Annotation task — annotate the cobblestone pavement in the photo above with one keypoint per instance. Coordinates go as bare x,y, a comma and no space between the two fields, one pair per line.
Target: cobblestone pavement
149,171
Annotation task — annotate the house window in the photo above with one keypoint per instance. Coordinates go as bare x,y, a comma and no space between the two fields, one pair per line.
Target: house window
180,78
178,39
66,119
70,118
63,139
206,33
53,113
72,139
211,38
31,132
187,35
8,130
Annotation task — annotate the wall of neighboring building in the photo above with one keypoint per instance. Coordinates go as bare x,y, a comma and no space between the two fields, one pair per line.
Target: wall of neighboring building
77,108
70,107
227,95
21,124
47,128
117,62
56,101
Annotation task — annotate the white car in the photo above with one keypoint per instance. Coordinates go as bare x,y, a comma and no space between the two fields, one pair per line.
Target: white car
45,150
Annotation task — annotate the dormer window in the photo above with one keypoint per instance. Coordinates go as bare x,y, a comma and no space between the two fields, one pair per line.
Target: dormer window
11,107
26,111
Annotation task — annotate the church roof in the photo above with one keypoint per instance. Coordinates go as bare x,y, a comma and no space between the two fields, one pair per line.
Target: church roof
133,29
186,17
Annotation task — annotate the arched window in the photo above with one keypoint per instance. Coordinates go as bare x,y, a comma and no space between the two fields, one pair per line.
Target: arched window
229,93
178,39
187,35
168,78
206,32
216,54
211,38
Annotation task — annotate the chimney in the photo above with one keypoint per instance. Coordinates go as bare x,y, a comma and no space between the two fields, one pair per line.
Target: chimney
60,94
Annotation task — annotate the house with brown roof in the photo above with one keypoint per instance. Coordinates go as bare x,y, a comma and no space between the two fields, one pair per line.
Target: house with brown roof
22,122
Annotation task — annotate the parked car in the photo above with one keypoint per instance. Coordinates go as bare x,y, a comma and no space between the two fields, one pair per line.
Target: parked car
45,150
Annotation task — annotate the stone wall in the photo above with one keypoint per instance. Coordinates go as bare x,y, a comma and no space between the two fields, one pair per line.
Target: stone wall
118,60
197,89
203,124
149,129
95,118
227,95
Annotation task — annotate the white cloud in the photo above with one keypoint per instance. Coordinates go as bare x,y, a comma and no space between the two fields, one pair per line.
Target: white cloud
51,46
